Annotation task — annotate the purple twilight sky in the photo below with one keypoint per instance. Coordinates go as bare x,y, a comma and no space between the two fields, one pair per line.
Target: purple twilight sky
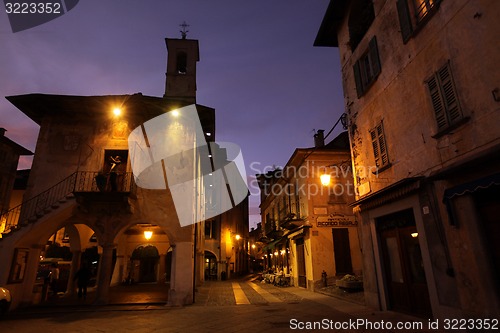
258,68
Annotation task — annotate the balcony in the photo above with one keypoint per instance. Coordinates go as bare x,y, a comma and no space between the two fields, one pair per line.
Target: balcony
95,187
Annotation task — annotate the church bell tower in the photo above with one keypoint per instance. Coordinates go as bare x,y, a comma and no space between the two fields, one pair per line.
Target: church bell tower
183,54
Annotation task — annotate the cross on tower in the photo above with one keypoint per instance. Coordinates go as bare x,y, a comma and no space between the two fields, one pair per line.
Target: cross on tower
184,32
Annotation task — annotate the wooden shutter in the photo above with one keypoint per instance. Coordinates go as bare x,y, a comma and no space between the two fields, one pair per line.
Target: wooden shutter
382,146
449,94
374,58
437,103
376,152
404,20
357,78
379,146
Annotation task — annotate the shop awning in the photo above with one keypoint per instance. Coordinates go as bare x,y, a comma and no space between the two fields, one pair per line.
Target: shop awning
472,187
270,246
467,188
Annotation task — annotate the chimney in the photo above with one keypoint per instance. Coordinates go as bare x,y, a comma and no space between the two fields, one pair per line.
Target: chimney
2,131
319,139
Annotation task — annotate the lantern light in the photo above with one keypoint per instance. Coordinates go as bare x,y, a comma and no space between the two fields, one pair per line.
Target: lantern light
148,234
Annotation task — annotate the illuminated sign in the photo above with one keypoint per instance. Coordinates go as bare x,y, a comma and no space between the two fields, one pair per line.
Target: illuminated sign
337,220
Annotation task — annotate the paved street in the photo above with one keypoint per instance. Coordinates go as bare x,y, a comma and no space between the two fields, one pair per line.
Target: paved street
225,306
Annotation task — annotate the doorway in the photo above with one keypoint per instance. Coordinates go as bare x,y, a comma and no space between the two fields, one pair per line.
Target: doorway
210,266
114,168
403,264
301,263
342,251
147,259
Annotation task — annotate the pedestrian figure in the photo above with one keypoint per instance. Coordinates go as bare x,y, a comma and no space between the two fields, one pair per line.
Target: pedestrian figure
83,277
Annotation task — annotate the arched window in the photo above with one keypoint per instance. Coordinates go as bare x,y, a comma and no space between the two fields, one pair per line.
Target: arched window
181,63
360,19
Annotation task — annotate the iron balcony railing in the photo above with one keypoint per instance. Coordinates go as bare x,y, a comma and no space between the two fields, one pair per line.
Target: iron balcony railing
81,181
90,181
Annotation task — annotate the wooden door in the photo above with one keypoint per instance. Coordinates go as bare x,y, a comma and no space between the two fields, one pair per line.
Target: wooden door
402,260
301,263
342,251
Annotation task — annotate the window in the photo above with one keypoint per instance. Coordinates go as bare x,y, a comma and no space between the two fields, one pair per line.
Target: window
367,68
360,19
182,63
444,99
210,229
379,147
413,14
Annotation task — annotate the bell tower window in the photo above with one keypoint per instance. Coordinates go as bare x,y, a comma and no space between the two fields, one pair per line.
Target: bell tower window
181,63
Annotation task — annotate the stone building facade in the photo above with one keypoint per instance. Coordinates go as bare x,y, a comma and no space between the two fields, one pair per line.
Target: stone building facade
308,226
82,193
421,91
9,159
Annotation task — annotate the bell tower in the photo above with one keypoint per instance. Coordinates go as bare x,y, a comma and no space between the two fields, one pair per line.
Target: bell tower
183,54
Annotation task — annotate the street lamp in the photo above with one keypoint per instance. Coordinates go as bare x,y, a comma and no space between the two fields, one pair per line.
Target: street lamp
325,179
148,234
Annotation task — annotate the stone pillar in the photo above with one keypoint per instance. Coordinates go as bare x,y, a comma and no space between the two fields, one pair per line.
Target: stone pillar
181,286
117,276
29,276
161,269
75,266
104,276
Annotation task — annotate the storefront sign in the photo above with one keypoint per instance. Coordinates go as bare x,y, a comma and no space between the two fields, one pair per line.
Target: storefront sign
336,220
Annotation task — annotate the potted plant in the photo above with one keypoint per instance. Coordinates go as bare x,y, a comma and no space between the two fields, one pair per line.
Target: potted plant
350,282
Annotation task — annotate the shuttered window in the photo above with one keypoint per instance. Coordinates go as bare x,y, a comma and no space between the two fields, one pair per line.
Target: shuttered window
413,14
444,98
367,68
379,146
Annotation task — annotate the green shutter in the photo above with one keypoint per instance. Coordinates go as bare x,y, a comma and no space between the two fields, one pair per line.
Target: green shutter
404,20
449,94
437,103
374,58
357,78
376,151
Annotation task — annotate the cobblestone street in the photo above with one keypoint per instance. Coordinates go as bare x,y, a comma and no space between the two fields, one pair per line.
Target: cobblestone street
219,307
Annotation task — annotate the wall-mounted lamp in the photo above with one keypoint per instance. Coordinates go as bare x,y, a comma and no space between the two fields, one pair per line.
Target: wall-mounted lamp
148,234
414,234
325,179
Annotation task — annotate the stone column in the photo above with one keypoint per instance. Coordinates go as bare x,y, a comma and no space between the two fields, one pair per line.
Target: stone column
161,269
104,276
75,266
181,284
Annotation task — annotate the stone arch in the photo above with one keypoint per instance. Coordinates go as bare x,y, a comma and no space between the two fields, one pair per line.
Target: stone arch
145,259
210,266
130,241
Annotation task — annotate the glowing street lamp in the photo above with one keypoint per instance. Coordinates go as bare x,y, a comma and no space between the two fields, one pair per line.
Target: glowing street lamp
148,234
325,179
117,111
